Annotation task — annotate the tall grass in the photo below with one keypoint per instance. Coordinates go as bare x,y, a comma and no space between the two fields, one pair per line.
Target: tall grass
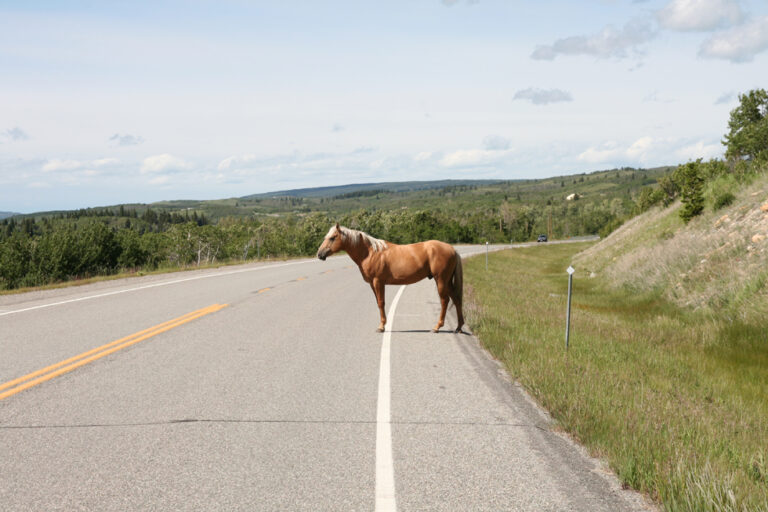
718,263
674,400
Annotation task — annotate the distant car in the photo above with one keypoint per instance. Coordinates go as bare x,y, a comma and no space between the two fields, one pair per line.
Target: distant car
542,238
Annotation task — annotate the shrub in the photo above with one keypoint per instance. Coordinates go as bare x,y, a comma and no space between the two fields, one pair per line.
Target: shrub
723,199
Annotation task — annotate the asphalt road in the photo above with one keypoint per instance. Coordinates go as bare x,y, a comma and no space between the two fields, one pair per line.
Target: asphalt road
277,401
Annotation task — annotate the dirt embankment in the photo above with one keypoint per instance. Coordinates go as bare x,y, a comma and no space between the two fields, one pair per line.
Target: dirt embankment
717,262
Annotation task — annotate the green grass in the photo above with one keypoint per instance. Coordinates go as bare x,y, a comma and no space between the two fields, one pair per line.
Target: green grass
674,400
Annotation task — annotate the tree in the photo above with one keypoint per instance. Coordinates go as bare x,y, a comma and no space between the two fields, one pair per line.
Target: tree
669,189
691,184
748,125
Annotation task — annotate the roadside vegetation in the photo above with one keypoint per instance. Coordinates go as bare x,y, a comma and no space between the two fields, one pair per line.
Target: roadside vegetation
673,399
667,370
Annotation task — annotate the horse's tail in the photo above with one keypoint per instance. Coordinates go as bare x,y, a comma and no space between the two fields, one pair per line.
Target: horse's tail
457,282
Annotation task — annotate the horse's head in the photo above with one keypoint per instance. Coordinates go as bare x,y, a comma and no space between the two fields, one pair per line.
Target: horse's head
331,244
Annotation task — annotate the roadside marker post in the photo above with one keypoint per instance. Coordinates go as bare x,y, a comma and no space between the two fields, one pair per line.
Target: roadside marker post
570,271
486,255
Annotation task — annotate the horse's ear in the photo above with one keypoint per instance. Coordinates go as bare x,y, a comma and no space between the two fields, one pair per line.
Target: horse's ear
338,228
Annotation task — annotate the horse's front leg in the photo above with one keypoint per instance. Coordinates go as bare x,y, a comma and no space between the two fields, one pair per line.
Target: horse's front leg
378,289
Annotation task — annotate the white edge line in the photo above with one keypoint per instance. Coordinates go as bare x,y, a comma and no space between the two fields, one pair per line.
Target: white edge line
385,471
154,285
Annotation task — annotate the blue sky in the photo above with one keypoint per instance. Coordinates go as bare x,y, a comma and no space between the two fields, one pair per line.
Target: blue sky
116,102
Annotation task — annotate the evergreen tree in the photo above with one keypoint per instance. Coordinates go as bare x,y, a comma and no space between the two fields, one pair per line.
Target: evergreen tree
748,127
691,184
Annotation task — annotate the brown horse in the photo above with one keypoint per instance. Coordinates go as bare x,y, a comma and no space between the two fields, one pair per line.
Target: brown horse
383,263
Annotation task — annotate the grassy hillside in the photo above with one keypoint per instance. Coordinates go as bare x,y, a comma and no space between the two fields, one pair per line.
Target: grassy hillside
717,263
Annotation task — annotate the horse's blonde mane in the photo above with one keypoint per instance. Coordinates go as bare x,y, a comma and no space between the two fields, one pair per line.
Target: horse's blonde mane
356,237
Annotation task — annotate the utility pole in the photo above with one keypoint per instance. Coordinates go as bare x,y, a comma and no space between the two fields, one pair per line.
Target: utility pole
549,225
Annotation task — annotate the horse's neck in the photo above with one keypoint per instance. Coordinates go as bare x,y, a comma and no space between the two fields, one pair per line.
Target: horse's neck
358,252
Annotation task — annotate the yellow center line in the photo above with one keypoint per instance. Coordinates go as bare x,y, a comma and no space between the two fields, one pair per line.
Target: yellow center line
92,351
264,290
300,278
51,371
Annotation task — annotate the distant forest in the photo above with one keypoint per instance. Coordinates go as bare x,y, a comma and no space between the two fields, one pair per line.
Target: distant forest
52,247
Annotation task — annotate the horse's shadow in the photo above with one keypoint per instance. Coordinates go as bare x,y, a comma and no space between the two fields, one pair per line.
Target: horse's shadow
429,331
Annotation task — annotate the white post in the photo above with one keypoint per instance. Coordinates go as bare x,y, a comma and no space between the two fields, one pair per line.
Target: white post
571,270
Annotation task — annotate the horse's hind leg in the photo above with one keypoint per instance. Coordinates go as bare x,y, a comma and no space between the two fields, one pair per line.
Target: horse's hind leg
459,314
442,290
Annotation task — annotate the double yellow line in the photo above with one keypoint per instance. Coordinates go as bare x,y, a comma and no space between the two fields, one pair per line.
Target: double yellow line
54,370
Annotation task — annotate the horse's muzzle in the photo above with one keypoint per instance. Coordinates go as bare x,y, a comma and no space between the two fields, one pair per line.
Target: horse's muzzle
322,254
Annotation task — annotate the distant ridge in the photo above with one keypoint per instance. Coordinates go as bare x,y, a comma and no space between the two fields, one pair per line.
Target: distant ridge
392,186
5,215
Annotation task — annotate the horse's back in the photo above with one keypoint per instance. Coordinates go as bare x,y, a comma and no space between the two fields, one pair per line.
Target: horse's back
438,256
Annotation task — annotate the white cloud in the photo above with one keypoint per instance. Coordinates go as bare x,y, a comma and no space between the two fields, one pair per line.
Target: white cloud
610,43
740,44
496,142
473,158
654,97
105,161
606,152
650,151
82,168
451,3
726,97
127,139
543,96
56,165
424,155
163,163
640,147
699,15
159,180
700,150
611,152
234,162
15,133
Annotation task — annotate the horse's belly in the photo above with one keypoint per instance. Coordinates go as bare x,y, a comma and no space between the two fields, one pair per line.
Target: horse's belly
407,279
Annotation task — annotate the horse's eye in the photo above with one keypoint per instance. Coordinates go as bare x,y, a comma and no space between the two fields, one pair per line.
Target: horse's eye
332,238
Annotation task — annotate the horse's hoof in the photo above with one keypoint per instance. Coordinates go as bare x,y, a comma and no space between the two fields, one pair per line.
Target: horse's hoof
435,330
459,331
380,329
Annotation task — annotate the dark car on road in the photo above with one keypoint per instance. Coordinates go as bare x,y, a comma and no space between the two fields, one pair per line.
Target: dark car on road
542,238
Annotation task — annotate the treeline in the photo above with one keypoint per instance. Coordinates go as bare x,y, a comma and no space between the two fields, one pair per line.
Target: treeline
699,183
70,246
